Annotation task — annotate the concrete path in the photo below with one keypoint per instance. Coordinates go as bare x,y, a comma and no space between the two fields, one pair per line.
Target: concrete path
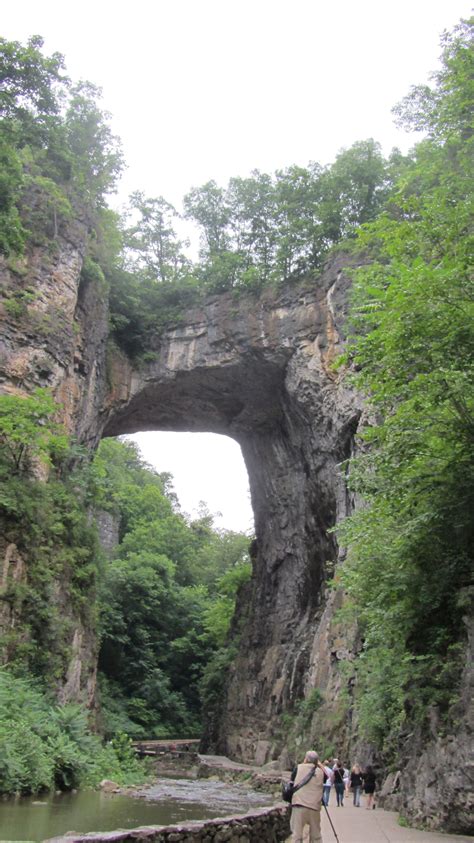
357,825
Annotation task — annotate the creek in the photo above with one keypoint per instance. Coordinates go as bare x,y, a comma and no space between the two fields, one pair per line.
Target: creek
165,802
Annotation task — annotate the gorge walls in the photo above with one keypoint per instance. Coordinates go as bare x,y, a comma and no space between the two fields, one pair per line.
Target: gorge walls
261,371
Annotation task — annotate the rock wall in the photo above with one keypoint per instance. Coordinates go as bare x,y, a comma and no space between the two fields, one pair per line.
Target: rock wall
261,371
436,777
54,334
265,825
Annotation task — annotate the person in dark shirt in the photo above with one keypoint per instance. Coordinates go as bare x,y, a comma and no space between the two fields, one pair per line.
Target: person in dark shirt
338,778
356,784
368,778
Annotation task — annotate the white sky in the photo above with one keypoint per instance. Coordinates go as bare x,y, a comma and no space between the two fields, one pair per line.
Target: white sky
209,89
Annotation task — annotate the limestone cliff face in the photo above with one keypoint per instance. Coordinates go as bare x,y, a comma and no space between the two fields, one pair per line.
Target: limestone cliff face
260,371
54,334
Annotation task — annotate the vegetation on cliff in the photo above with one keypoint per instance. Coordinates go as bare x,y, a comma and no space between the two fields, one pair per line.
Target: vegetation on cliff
45,746
57,151
167,594
57,556
161,604
258,231
411,546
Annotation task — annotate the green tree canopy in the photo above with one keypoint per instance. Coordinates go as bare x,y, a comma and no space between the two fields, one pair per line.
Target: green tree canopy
413,346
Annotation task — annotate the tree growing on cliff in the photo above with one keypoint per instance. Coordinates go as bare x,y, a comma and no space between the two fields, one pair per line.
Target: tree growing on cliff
28,432
152,247
413,345
55,142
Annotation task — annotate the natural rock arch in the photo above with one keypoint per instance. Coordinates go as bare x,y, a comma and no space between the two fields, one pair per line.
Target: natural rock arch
260,371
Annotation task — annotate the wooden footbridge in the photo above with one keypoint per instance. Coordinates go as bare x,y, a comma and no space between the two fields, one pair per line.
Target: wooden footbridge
173,748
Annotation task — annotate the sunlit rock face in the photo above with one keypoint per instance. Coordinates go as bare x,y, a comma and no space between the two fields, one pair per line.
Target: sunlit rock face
261,371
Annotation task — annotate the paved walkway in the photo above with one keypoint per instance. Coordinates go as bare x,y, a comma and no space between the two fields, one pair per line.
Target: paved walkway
356,825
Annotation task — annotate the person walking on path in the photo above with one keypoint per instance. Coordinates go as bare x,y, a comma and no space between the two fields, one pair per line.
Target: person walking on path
347,778
328,783
307,801
368,778
338,778
356,784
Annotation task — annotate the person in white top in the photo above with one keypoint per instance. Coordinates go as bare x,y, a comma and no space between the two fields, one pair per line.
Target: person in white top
328,783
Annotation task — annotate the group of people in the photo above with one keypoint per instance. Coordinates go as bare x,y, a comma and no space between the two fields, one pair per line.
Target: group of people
312,783
356,781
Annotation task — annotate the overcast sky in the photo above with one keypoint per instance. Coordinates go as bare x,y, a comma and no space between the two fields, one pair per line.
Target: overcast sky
209,89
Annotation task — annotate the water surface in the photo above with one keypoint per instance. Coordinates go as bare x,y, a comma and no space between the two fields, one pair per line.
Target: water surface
167,801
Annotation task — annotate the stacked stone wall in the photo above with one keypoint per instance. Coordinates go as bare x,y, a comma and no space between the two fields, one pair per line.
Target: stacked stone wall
265,825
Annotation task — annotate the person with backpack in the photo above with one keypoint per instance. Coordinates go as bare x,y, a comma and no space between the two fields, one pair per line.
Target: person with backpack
308,780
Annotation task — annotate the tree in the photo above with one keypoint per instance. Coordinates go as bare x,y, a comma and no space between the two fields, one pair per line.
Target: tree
353,190
444,110
56,146
207,205
299,242
28,432
413,347
95,151
31,91
155,595
252,219
151,241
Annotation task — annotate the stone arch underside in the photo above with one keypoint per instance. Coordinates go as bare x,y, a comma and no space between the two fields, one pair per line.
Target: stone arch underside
260,371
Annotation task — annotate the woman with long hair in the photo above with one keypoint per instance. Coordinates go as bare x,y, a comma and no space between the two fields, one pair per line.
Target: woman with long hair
368,778
339,786
356,784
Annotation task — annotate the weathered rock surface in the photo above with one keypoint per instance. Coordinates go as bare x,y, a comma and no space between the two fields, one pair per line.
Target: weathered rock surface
57,341
259,370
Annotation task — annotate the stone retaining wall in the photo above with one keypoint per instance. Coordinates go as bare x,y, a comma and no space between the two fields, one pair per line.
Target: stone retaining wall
264,825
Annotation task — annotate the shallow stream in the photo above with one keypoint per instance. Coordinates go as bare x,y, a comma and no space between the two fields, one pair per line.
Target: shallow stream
167,801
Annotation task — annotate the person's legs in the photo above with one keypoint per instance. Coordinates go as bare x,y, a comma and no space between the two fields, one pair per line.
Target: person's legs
315,826
339,793
357,796
326,792
297,825
370,799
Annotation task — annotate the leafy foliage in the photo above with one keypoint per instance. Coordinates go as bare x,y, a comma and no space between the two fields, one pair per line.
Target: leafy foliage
166,599
413,343
28,431
43,745
45,521
56,147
